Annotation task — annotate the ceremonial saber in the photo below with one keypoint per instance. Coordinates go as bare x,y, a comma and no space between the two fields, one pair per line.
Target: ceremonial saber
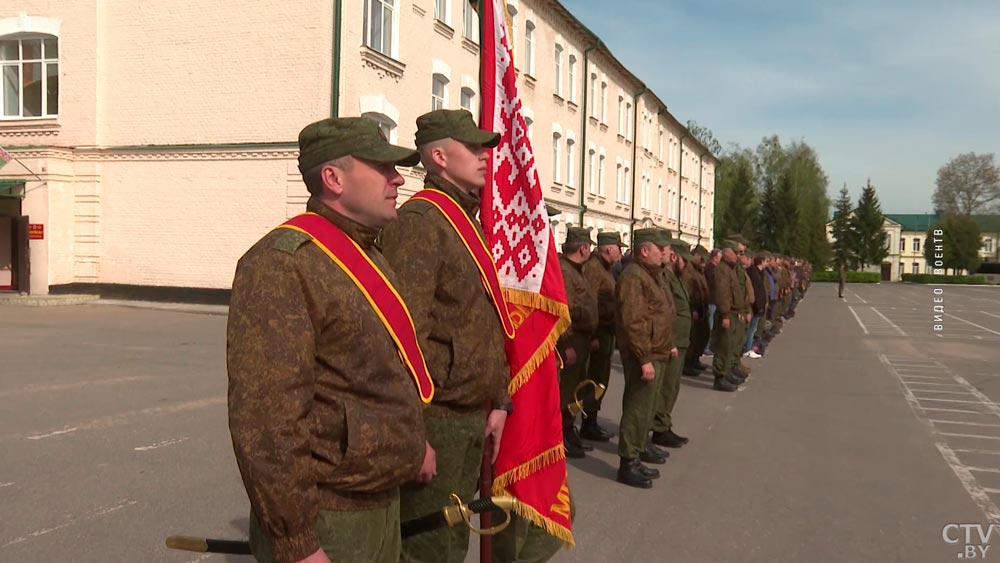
447,517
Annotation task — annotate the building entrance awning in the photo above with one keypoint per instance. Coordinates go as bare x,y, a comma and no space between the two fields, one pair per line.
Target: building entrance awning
12,189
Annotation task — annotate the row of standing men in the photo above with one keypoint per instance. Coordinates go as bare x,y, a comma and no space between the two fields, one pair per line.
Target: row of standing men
663,305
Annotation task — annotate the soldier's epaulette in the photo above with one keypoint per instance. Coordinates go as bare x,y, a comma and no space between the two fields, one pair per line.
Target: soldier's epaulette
288,240
416,206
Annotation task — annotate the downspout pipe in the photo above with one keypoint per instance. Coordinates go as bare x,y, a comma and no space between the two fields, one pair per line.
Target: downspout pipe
338,6
584,153
701,177
635,147
680,187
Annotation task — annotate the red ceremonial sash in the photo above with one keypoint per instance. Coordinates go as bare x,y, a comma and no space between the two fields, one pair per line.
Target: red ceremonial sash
474,243
376,288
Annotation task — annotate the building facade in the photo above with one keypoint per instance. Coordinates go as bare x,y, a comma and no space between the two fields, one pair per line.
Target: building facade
155,145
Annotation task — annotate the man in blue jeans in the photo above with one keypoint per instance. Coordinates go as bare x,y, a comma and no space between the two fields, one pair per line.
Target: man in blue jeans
756,273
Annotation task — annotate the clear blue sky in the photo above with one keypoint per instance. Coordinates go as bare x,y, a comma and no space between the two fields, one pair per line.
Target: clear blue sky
890,89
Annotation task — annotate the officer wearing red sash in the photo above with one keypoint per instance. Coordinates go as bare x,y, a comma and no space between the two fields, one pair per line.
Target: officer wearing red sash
458,321
325,419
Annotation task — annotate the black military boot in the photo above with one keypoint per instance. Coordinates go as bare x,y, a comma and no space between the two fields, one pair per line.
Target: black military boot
668,439
722,384
649,472
738,377
591,430
630,474
691,370
575,438
653,455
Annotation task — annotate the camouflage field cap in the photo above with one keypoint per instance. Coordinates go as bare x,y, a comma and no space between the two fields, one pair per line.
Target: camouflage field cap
740,239
659,237
700,250
578,235
730,244
682,248
360,137
455,124
667,235
609,238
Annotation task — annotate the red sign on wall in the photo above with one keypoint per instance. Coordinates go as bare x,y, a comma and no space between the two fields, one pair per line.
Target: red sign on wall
36,231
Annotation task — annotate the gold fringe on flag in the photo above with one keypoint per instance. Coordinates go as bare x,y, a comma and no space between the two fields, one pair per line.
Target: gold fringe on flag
551,306
521,472
527,512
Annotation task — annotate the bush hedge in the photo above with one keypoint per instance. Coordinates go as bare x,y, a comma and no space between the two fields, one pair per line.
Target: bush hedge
852,277
939,279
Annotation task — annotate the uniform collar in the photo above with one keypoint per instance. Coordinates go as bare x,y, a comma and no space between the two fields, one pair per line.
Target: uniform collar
364,236
579,267
469,202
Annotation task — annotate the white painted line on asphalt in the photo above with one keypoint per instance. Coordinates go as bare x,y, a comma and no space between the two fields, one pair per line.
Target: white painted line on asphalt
954,410
936,391
90,516
120,419
922,377
969,436
51,434
990,314
74,385
978,493
958,401
169,442
984,469
858,296
2,485
974,451
934,384
965,423
973,324
863,327
992,491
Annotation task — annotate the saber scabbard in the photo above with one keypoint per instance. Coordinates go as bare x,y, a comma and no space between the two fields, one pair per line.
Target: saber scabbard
447,517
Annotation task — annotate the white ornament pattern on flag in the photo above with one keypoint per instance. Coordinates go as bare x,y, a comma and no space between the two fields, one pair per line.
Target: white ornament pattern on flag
521,226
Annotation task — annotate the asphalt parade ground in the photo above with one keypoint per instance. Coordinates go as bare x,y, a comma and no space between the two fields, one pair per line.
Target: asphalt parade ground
863,435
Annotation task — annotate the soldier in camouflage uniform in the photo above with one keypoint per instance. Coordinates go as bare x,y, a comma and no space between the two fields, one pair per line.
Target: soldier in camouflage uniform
696,284
644,334
458,325
598,272
325,420
670,386
730,299
574,344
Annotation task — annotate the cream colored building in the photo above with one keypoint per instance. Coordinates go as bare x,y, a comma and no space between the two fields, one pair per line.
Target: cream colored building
157,142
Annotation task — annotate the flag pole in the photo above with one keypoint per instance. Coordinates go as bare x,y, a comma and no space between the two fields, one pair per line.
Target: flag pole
486,490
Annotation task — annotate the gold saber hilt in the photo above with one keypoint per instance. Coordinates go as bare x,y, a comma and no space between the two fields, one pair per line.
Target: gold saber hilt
577,406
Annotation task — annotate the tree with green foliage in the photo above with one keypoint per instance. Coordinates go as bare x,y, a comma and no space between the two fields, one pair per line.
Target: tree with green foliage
739,215
871,242
786,212
967,185
843,232
768,223
705,137
956,247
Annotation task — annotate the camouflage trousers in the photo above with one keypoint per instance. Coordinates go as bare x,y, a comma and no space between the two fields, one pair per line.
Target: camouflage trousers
524,542
727,344
670,387
638,406
458,445
599,366
366,536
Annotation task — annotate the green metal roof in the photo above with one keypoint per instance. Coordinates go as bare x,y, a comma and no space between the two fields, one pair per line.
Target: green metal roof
9,188
924,221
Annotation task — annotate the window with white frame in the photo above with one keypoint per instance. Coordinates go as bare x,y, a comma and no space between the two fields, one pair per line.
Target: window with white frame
441,10
644,192
916,244
572,78
628,120
556,157
470,25
659,198
591,164
570,145
512,11
558,77
529,47
439,92
988,245
619,183
385,124
916,268
378,25
29,67
902,244
468,101
604,102
593,94
628,184
600,176
621,115
660,145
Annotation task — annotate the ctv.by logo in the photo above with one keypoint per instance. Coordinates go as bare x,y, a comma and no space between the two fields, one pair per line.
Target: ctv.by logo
976,538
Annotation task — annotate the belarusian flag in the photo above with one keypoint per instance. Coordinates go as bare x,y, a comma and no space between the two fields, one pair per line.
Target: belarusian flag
5,157
532,462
